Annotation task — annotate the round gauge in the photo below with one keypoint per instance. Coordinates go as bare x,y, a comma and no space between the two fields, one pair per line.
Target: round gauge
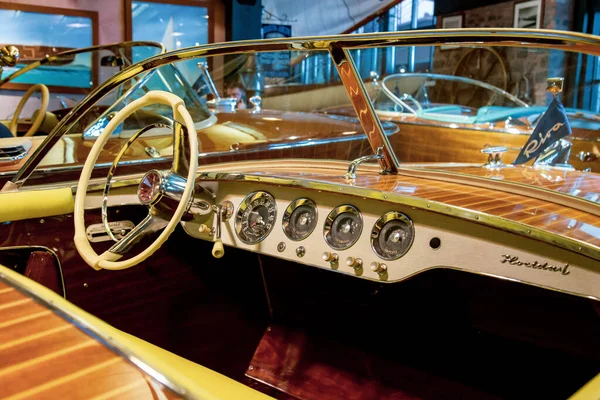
343,227
255,217
300,219
392,235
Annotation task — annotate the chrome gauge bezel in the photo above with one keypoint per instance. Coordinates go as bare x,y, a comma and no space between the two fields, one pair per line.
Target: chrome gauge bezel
346,208
384,219
287,215
239,215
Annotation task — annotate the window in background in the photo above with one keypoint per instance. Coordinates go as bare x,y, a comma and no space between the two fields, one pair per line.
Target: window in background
38,31
399,59
317,69
176,26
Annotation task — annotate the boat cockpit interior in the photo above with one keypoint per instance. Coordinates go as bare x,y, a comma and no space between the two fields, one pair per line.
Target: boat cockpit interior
170,246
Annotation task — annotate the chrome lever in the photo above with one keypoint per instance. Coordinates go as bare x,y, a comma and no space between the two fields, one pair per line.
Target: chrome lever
223,212
218,251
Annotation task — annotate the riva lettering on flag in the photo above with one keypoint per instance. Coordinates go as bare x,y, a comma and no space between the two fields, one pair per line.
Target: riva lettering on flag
553,126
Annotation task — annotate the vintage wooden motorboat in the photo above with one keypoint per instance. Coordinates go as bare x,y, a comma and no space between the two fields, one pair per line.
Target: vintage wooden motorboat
60,79
448,118
303,278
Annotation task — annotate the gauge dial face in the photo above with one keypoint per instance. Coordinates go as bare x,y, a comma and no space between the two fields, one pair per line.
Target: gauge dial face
255,217
392,235
300,219
343,227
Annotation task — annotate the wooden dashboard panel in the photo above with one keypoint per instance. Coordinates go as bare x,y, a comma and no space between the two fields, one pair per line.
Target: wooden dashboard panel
464,245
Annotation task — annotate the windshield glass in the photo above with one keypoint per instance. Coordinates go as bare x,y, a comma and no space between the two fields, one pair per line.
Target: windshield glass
62,80
447,106
259,112
451,102
257,115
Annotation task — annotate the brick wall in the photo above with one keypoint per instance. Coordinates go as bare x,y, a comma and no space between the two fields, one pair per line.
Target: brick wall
535,66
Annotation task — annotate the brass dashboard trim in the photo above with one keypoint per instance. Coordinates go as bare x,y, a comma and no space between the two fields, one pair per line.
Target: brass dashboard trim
521,281
500,223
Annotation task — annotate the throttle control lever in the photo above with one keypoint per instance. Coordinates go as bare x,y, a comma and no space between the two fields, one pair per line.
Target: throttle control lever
218,251
222,212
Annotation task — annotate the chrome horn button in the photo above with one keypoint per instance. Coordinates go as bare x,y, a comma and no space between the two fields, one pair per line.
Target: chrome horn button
150,188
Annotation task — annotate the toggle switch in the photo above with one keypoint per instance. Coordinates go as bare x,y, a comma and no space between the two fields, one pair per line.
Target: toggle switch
378,267
355,263
330,257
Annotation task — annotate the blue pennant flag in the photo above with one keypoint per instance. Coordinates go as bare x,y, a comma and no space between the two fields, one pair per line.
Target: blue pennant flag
553,125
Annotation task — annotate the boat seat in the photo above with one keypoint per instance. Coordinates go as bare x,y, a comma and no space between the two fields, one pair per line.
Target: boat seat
5,132
197,380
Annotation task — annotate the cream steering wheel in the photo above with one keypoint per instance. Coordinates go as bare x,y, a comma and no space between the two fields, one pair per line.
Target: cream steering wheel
41,112
158,190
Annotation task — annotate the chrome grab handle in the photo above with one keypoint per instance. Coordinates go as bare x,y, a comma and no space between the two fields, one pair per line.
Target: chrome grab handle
351,174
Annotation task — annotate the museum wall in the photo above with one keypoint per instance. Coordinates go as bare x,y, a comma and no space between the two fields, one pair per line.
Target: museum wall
525,66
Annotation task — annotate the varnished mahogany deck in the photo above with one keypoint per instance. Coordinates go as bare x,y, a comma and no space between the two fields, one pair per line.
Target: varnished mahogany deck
534,209
44,356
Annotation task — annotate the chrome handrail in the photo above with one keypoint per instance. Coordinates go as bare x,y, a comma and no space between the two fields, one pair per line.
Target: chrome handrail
507,37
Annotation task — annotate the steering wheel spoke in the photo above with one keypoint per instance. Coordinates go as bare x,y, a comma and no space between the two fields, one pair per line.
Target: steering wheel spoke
167,194
181,149
151,224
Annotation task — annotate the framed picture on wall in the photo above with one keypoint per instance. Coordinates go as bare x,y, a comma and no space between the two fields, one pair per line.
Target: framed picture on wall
451,22
528,14
37,31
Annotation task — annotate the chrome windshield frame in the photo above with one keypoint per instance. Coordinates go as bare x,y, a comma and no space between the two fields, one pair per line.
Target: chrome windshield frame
338,46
